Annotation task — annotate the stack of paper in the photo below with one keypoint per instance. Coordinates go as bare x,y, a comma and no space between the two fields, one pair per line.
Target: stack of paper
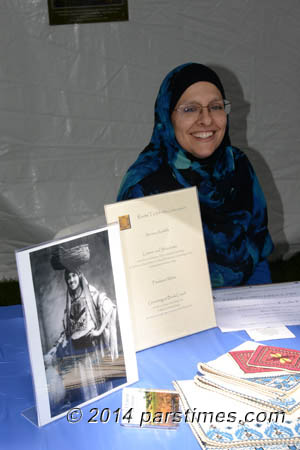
247,398
261,306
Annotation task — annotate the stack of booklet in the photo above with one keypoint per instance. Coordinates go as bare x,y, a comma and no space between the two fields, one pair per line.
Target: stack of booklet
248,398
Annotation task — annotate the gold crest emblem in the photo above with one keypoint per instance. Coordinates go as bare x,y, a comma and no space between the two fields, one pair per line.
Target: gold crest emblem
124,222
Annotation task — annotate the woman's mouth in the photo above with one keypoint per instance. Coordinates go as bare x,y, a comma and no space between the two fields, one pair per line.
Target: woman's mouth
203,134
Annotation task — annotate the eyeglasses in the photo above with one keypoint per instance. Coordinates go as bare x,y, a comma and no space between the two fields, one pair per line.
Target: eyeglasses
193,110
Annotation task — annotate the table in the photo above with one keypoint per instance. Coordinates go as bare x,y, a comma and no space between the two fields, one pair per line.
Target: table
158,367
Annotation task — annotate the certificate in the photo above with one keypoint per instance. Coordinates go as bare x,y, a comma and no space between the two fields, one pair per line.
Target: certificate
166,267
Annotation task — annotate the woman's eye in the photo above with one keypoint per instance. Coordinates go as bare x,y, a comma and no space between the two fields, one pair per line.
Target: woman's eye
217,107
190,108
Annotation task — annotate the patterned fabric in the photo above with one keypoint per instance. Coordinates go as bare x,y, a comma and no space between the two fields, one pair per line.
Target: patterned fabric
80,319
232,424
250,432
266,447
284,382
233,207
263,400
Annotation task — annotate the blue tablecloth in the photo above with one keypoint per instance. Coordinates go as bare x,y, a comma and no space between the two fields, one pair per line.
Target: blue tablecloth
158,367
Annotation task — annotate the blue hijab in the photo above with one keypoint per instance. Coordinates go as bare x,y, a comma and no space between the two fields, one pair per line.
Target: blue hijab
232,204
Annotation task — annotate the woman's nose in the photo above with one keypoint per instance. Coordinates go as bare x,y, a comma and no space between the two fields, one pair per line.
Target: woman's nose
204,116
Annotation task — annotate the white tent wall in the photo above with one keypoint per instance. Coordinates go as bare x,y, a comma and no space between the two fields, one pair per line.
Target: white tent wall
76,105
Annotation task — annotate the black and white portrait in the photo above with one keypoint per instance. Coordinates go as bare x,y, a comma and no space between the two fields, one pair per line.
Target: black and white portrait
78,320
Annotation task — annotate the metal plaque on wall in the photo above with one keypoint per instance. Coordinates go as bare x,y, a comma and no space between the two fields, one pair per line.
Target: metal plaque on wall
87,11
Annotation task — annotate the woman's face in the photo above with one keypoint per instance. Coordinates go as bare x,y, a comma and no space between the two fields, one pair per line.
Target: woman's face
73,280
200,135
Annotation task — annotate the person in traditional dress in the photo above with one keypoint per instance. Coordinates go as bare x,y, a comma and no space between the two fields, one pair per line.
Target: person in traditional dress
89,335
90,316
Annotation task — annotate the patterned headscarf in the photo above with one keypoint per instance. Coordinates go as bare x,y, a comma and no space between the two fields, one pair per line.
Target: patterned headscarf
163,142
232,203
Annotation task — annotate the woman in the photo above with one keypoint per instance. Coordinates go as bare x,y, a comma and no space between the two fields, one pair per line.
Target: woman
190,146
89,335
90,316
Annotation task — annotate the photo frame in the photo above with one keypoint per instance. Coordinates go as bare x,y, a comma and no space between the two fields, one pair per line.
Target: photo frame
77,321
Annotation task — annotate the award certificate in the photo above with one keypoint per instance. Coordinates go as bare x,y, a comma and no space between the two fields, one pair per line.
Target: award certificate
166,267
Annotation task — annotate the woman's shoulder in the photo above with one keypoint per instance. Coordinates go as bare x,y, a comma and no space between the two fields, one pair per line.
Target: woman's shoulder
157,182
161,180
241,159
94,291
238,153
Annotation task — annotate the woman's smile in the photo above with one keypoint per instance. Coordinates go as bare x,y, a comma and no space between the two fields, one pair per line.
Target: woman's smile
203,134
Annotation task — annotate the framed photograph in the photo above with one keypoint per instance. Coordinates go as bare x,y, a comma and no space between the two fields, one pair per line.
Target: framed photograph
77,320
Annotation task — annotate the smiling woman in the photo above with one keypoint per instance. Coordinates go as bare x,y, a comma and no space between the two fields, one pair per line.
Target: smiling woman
190,146
200,129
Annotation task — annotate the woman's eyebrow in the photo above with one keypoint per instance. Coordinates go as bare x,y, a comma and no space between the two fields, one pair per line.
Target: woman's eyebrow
195,102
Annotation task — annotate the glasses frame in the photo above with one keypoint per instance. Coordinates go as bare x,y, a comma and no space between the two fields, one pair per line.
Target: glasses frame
227,108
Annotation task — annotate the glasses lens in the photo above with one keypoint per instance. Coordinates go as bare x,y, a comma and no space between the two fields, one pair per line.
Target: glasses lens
192,110
227,106
188,109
